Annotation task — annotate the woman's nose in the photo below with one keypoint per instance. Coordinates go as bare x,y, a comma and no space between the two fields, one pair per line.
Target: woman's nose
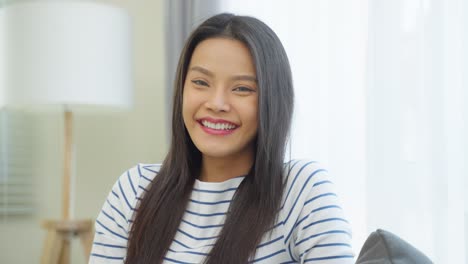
218,101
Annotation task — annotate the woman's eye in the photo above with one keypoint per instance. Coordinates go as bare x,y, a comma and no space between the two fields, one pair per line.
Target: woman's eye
243,89
200,82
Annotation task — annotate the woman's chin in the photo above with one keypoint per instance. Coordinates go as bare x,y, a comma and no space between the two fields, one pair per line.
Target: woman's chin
217,154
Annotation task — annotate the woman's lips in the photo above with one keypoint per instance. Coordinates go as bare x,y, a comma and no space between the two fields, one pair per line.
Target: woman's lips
217,126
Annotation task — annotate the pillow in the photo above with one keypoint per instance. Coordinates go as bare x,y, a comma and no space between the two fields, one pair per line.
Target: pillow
383,247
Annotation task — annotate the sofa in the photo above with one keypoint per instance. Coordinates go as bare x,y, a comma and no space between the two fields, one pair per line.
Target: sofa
384,247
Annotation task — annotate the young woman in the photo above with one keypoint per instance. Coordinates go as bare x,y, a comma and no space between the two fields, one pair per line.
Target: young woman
223,193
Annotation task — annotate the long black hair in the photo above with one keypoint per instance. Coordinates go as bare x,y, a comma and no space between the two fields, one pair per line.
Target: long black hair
257,200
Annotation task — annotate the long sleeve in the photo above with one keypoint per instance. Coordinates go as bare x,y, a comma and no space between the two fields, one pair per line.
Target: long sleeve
113,222
318,230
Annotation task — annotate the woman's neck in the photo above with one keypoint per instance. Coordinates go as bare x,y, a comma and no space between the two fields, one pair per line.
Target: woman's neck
221,169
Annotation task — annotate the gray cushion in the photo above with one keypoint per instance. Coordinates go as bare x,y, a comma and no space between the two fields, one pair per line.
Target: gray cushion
383,247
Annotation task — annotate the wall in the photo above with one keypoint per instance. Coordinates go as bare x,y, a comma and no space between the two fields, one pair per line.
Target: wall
106,145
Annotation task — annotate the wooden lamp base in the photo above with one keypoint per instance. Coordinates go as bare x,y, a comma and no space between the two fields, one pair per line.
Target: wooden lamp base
61,232
59,235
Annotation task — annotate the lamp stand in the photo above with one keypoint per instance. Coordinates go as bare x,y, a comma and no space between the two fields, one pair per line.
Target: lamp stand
60,232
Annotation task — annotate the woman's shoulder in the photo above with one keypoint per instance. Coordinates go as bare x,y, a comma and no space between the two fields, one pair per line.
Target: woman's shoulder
303,170
304,179
140,175
136,179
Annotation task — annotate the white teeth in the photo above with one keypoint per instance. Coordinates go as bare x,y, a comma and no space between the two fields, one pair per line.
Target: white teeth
218,126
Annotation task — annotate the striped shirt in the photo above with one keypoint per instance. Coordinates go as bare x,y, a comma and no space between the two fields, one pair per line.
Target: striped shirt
311,227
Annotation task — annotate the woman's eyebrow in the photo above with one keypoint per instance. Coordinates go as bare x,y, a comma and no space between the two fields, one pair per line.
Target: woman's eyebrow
202,70
234,78
244,78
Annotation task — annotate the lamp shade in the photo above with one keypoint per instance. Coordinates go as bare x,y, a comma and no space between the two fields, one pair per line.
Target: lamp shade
67,52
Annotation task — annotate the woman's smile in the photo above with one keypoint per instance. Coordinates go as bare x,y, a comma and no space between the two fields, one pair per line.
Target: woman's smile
217,126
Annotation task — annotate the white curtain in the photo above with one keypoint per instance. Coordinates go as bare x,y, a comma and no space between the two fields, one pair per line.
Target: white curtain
380,88
416,123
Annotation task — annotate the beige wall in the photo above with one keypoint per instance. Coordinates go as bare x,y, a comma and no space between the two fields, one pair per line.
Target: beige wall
105,145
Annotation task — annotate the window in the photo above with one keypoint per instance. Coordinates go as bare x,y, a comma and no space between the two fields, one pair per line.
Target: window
16,186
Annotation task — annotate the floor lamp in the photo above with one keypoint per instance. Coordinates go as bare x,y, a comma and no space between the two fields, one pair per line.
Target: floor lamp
73,54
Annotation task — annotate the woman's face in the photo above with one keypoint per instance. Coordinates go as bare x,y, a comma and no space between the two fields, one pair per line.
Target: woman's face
220,99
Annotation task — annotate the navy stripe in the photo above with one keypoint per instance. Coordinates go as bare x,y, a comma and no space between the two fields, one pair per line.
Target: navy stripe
275,226
327,245
113,219
185,246
325,207
106,257
270,242
194,237
290,253
207,215
200,226
146,178
117,211
298,222
112,232
321,182
328,258
177,261
108,245
182,244
210,203
332,245
294,181
324,220
125,197
143,176
319,196
291,168
108,216
139,186
321,234
190,252
213,191
153,171
271,255
131,183
300,192
115,194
